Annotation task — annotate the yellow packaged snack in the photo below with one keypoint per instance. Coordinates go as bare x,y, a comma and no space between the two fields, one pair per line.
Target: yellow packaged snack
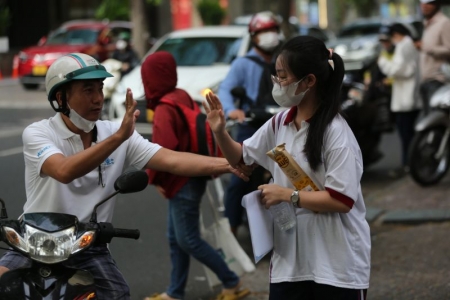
289,166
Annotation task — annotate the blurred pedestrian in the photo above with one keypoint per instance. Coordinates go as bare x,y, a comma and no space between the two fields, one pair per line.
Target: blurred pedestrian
251,72
379,86
159,77
405,101
435,49
327,255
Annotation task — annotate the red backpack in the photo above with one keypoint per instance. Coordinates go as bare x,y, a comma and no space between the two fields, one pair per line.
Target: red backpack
201,136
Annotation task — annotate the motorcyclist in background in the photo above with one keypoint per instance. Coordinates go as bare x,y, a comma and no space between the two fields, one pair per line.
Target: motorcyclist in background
125,53
251,72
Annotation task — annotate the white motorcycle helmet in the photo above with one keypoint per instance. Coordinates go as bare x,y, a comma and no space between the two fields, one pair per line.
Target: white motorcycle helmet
74,66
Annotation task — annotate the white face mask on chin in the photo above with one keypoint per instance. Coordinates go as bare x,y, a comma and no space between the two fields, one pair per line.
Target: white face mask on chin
285,96
268,40
121,44
80,122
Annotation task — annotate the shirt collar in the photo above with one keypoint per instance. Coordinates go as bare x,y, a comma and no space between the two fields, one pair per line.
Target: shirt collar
291,116
434,19
61,127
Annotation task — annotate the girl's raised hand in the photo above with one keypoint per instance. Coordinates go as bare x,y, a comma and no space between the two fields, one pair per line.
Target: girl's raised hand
214,112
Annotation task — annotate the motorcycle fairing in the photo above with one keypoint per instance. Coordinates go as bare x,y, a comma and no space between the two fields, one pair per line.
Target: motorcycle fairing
434,118
50,222
62,283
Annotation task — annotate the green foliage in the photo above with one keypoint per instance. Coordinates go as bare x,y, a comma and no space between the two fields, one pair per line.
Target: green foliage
211,12
364,8
154,2
113,10
118,9
4,20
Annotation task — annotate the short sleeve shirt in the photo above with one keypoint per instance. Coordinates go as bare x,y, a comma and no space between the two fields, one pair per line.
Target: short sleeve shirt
47,137
328,248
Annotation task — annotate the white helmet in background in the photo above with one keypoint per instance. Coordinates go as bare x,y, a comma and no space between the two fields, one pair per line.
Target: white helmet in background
70,67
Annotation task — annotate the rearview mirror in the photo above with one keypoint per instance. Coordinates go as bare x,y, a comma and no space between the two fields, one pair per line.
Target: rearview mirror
131,182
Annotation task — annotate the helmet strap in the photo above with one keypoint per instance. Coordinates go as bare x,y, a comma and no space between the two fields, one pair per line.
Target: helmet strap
63,107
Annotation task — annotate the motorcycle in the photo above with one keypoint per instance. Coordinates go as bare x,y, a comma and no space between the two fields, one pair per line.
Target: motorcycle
49,239
114,67
362,116
429,154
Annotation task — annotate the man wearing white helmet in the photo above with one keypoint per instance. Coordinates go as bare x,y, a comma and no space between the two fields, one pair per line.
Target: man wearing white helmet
72,156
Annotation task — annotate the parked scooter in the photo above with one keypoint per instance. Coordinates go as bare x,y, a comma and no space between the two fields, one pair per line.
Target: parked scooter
362,115
49,239
429,154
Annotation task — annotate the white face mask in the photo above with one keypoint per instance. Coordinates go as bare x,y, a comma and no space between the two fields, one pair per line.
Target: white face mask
268,40
80,122
121,44
285,96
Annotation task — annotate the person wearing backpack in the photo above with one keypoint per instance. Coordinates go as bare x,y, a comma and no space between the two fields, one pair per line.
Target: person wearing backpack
159,77
251,72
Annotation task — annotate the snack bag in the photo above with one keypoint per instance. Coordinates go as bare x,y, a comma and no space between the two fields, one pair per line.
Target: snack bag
289,166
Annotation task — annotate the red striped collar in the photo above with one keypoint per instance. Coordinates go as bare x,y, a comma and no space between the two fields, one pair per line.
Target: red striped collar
291,116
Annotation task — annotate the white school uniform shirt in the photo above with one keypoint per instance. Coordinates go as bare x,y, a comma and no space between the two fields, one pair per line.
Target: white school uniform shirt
328,248
45,194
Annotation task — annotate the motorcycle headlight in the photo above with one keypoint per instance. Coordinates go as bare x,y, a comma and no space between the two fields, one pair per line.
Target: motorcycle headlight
48,247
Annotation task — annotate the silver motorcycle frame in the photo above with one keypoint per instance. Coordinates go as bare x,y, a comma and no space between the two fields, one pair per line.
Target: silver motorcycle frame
438,117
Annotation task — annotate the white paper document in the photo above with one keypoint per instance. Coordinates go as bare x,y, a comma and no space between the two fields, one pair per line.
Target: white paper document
261,225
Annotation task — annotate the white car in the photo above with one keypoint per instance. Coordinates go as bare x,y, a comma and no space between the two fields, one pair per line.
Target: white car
203,57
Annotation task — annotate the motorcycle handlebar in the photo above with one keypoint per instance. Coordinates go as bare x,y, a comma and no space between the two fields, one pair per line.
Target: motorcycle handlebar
127,233
106,232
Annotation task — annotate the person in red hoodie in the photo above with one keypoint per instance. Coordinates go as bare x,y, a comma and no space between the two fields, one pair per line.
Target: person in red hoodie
159,77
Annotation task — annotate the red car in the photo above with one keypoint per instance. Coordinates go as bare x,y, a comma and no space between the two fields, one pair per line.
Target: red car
95,38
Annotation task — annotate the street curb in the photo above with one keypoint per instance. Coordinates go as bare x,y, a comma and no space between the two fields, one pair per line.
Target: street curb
372,213
402,216
416,216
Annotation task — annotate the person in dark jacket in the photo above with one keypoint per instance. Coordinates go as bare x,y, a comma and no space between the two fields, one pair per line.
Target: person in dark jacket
125,53
159,78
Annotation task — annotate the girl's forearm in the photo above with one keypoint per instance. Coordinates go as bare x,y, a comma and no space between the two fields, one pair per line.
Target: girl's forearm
231,149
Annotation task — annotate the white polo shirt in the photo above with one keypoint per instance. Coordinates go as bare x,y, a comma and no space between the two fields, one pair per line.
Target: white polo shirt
45,194
328,248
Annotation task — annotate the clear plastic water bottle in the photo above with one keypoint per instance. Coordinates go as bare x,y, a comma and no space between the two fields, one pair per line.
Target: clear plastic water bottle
284,215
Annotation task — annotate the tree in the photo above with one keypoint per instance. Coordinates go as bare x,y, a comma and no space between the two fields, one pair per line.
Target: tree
113,10
364,8
134,10
141,33
211,12
4,19
284,8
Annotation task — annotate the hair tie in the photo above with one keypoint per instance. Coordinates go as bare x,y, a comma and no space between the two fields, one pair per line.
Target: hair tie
330,60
